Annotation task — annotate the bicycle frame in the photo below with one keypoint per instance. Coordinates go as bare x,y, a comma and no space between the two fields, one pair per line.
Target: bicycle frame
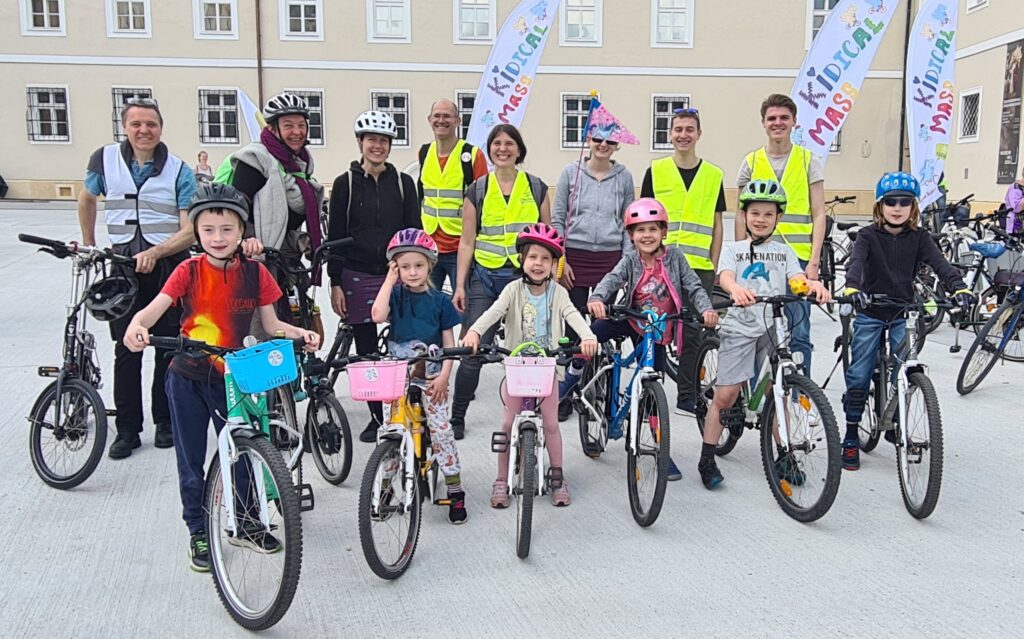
528,419
780,364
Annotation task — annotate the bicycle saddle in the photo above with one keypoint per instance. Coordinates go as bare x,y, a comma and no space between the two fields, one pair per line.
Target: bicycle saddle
988,249
846,226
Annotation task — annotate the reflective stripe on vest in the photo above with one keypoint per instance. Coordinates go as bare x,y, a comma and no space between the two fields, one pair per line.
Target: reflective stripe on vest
443,191
500,222
796,226
153,210
691,212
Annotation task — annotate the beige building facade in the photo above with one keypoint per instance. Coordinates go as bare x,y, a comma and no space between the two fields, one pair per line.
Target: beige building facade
68,65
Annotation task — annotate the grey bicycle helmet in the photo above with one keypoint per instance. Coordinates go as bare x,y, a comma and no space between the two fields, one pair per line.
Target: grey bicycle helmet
763,191
112,297
376,122
218,196
285,104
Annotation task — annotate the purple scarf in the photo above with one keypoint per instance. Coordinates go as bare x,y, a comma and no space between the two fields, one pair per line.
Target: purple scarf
286,157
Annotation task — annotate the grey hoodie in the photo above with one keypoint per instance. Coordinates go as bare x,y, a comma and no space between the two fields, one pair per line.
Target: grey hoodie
597,224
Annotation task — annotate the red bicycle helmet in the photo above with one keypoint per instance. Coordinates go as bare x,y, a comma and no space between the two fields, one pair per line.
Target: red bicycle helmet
542,234
414,240
646,209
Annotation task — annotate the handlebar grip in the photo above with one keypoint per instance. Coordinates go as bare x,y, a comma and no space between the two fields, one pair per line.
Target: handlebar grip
458,351
721,304
158,341
41,241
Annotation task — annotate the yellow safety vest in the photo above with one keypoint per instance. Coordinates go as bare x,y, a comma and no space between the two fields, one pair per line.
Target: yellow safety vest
795,227
443,191
691,213
501,222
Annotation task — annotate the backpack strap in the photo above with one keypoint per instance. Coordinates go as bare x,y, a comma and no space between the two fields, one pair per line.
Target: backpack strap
401,186
348,208
536,186
467,165
422,155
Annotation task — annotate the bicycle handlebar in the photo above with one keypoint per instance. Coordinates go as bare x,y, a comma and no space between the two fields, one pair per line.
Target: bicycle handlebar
445,353
182,344
846,199
491,353
616,312
61,249
888,301
769,299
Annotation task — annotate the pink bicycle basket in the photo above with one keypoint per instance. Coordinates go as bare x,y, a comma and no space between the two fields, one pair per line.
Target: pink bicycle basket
377,381
529,376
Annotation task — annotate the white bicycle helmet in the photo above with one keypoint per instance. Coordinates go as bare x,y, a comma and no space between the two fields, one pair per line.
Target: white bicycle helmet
285,104
376,122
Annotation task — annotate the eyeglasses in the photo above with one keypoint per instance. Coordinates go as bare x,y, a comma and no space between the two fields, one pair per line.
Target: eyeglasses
146,102
686,111
599,141
898,201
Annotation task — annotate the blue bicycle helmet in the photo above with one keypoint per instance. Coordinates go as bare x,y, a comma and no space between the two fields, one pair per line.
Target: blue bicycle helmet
899,183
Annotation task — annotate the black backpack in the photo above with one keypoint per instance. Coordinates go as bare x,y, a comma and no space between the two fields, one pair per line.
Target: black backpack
467,166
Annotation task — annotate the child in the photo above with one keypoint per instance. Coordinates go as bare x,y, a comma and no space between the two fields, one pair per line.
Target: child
886,257
656,277
534,309
219,293
758,266
422,316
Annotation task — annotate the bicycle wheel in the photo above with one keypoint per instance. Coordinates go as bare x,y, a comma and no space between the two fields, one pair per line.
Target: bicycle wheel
525,488
329,437
988,302
593,433
705,376
255,567
382,340
389,511
1008,328
926,293
66,455
920,464
647,466
805,477
984,352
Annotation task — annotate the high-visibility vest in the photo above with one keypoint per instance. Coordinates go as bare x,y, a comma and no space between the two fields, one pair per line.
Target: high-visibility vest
795,227
691,212
151,210
443,191
501,222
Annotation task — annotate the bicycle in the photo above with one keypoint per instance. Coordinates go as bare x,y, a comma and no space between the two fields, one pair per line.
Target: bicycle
640,414
249,490
402,470
68,421
835,249
999,338
804,485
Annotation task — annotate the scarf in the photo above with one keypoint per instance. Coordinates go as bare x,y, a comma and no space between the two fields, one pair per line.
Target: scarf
286,157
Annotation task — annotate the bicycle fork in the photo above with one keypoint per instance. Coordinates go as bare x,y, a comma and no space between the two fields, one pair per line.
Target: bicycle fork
227,454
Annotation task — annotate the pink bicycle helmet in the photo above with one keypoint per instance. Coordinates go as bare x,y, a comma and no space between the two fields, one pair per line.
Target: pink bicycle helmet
414,240
542,234
646,209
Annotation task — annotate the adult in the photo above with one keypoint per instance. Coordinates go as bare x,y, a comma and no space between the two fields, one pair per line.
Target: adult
442,186
1014,201
147,191
203,171
693,191
590,201
803,226
497,207
369,203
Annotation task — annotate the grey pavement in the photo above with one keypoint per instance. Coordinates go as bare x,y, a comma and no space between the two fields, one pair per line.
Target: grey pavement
109,558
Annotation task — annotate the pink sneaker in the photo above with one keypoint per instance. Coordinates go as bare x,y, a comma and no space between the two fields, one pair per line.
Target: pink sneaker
499,494
560,496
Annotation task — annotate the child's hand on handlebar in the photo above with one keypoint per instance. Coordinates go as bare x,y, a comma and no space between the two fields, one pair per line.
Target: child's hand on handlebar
471,340
710,319
589,347
743,296
251,247
597,309
136,337
818,290
312,340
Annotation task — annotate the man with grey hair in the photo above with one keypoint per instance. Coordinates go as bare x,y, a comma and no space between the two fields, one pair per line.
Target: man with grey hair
147,191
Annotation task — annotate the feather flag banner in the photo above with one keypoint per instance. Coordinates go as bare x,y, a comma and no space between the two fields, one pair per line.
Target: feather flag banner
601,124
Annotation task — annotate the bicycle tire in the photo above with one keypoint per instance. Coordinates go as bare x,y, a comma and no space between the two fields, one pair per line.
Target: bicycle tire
389,452
526,477
982,356
978,317
281,404
780,485
289,523
922,507
1017,354
80,398
590,440
652,395
704,381
329,437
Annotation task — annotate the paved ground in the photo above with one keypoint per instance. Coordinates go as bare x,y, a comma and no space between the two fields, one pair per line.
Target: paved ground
109,558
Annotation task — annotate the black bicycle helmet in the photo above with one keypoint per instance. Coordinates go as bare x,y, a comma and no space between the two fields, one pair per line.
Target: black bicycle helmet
218,196
285,104
112,297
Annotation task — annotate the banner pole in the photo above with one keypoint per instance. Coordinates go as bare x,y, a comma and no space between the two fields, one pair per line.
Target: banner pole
903,84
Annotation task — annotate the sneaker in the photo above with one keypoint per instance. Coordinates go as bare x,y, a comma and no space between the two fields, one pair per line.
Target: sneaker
787,468
674,474
560,496
123,446
564,409
499,494
851,454
255,537
199,553
457,507
685,407
458,427
163,437
709,473
369,434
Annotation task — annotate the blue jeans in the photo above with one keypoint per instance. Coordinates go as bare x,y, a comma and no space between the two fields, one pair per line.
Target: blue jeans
864,350
606,330
447,264
798,316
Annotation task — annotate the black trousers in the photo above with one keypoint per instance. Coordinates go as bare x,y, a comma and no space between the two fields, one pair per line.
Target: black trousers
691,342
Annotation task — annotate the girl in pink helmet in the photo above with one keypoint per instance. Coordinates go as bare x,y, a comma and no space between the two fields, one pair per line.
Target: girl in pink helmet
420,315
534,309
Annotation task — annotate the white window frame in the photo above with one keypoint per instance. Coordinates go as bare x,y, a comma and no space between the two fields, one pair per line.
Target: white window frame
323,122
582,95
658,44
116,117
457,24
27,29
563,36
282,18
114,32
371,33
199,21
975,5
67,104
665,96
238,109
397,144
836,147
809,27
464,125
960,137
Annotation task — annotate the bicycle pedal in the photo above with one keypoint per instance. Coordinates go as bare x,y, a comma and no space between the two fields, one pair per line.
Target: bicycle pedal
554,478
499,442
305,494
111,412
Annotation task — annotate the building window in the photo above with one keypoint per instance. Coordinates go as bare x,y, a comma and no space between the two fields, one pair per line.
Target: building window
397,104
671,23
974,5
215,19
575,107
120,95
465,100
218,116
970,115
128,19
42,17
315,101
580,23
387,21
664,107
47,115
819,13
302,19
837,143
474,21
